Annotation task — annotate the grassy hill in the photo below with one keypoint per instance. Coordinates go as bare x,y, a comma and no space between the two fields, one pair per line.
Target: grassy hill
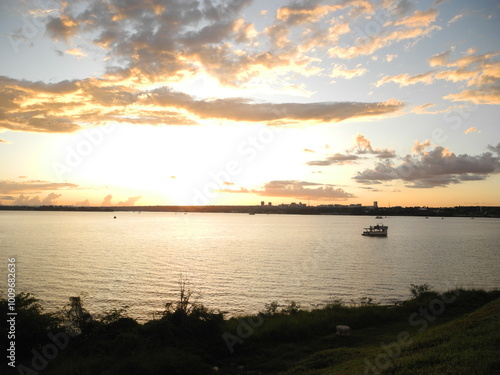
456,332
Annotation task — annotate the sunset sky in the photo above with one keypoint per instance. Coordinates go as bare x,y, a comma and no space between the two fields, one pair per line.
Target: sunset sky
170,102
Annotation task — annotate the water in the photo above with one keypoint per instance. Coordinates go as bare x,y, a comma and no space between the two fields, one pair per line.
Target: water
238,263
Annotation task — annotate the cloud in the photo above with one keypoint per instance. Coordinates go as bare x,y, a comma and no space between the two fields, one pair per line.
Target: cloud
298,190
440,59
107,200
489,94
61,28
495,149
419,18
472,129
406,79
238,109
338,159
438,167
76,52
480,72
84,203
129,202
389,57
455,18
423,109
363,146
419,147
9,187
160,41
343,72
68,106
49,200
4,141
390,26
27,201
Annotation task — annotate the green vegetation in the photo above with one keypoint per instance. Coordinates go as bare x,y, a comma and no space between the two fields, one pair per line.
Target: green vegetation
456,332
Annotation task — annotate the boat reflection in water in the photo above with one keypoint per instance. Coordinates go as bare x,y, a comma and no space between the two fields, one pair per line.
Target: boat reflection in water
378,230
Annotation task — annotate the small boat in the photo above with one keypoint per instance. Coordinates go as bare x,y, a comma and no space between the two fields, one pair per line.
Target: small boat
378,230
379,217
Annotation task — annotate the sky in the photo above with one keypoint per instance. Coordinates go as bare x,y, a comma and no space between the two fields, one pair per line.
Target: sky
229,102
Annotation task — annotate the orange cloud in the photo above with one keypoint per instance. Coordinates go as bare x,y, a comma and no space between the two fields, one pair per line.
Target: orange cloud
33,186
406,79
472,129
480,72
298,190
342,71
76,52
67,106
419,18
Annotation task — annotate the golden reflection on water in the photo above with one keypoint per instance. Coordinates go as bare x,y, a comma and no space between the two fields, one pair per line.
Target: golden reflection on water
240,262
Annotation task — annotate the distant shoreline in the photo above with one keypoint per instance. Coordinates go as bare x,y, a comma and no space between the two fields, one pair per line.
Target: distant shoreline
458,211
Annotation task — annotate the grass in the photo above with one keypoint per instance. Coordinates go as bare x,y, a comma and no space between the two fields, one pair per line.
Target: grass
457,332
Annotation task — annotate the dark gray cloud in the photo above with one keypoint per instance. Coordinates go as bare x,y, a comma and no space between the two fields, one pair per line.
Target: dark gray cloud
363,146
438,167
61,28
339,159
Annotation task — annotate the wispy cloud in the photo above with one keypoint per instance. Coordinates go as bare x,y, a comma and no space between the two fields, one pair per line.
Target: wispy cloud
76,52
34,186
472,129
481,72
338,159
343,72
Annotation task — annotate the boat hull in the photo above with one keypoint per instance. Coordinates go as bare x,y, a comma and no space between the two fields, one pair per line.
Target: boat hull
374,234
378,230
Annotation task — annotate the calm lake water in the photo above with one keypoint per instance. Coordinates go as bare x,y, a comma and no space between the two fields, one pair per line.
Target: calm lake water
239,262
